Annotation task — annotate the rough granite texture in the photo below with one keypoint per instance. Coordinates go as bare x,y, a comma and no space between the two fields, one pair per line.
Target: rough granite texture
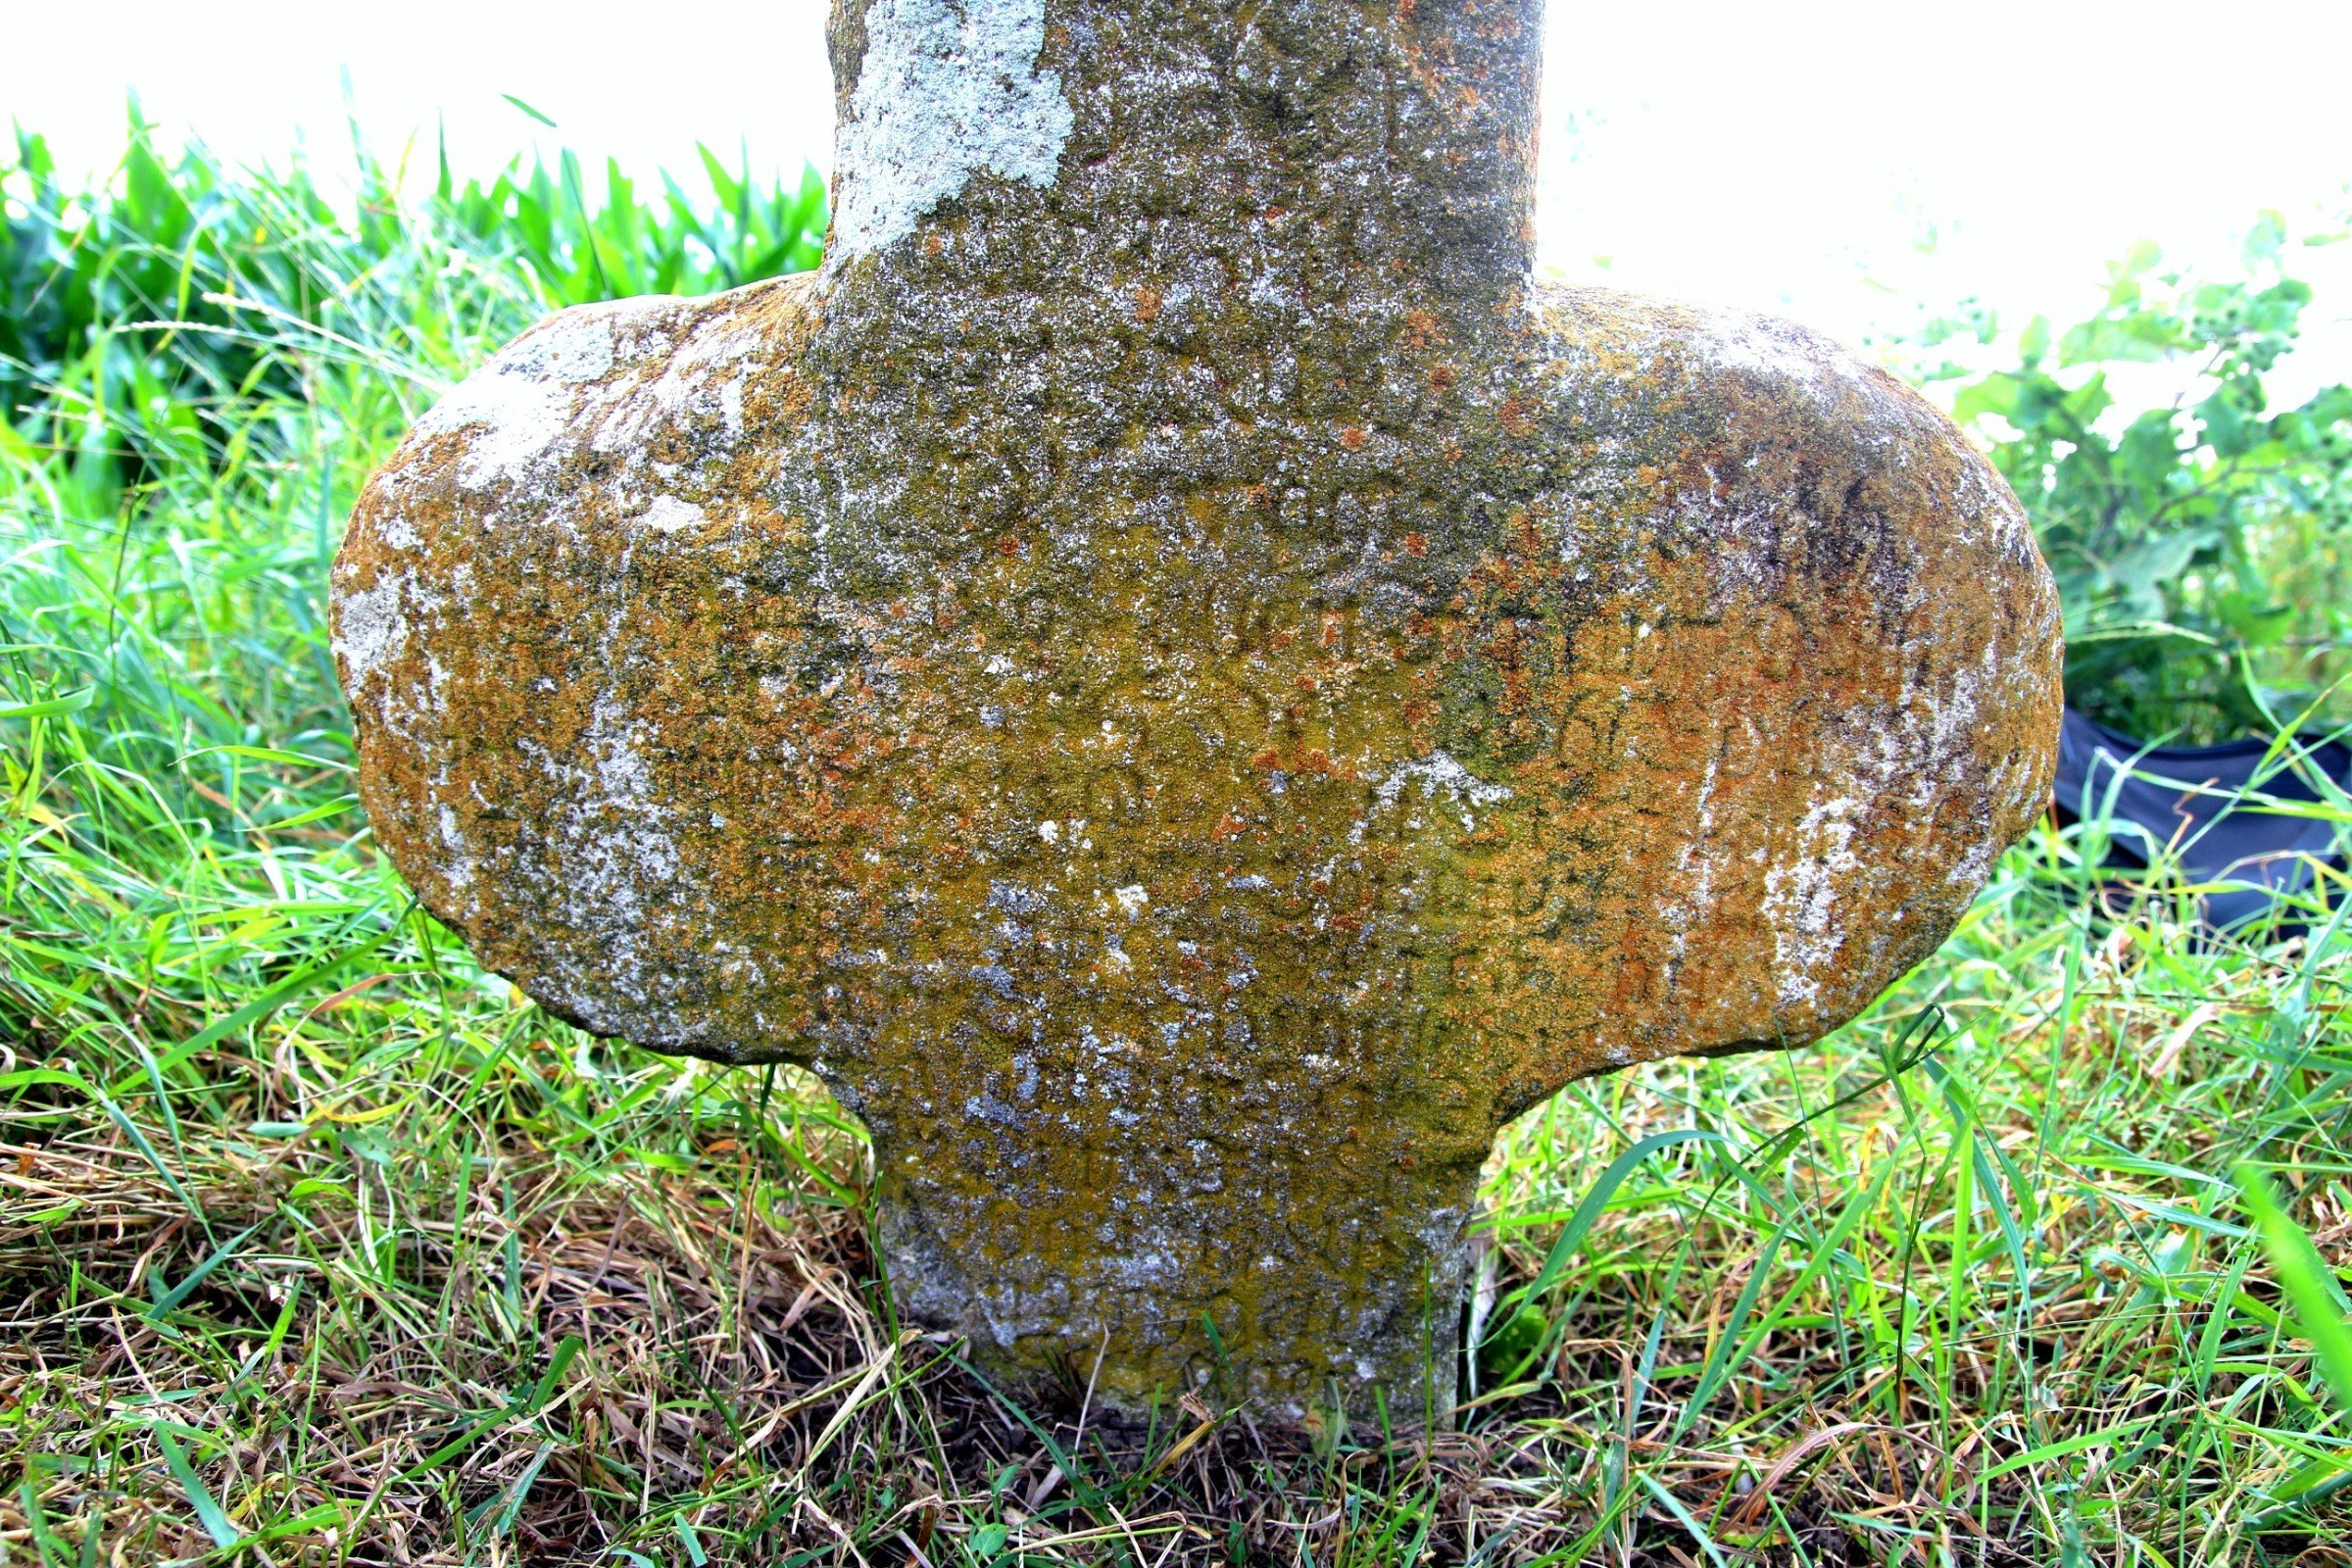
1185,688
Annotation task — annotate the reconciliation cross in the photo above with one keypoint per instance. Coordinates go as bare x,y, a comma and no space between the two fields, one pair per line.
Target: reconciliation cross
1186,687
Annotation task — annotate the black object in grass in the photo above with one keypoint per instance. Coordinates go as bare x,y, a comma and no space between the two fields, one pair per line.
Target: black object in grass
2211,809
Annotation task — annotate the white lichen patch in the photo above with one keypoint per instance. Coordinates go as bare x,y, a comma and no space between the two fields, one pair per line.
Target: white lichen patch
948,88
518,406
372,629
1983,498
574,348
1696,866
582,375
1737,340
1440,771
616,859
668,515
689,388
1801,895
397,532
460,864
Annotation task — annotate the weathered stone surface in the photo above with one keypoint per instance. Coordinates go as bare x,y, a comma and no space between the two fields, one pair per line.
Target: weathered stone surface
1181,684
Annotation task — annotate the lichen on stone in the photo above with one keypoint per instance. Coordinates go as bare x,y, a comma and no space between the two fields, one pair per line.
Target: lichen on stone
946,89
1185,686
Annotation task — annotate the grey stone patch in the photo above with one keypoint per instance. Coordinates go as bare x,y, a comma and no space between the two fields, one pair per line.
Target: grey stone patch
949,89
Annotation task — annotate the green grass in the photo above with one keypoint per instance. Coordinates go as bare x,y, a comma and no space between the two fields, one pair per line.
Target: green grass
317,1244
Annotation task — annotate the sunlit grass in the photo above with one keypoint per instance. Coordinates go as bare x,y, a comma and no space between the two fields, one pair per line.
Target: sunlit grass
319,1244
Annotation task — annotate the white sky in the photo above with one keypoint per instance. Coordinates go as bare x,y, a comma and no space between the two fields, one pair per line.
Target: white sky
1786,155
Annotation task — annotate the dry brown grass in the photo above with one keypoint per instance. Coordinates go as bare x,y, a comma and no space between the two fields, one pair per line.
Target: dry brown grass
356,1379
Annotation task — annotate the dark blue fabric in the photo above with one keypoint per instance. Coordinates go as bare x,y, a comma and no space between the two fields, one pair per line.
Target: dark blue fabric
2184,796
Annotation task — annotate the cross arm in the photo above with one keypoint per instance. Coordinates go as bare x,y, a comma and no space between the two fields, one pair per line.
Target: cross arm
573,700
1806,690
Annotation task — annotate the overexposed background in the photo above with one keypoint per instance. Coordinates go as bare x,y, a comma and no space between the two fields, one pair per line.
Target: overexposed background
1848,162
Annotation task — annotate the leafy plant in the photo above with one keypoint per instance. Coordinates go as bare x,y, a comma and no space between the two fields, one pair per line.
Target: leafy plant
142,319
740,234
2202,544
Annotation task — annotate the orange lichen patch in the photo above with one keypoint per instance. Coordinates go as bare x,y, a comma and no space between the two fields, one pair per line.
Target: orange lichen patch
1185,837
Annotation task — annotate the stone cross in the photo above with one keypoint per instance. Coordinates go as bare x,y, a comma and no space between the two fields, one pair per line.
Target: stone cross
1186,687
